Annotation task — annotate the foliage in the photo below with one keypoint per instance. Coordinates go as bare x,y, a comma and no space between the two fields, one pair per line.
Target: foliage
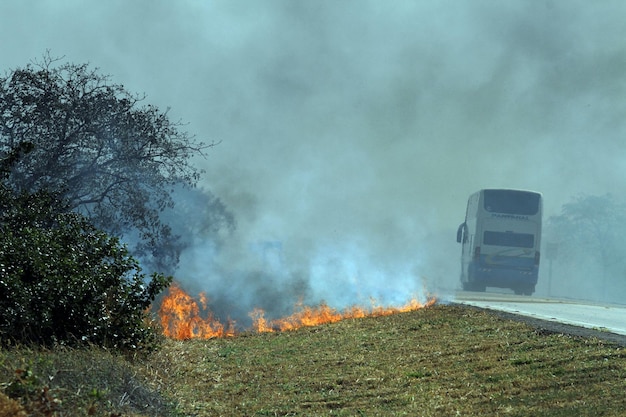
590,234
64,281
108,156
595,221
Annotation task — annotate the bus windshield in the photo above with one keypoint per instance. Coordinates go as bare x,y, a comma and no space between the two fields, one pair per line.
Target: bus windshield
512,202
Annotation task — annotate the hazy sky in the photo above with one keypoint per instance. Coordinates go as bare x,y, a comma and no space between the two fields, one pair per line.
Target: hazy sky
357,125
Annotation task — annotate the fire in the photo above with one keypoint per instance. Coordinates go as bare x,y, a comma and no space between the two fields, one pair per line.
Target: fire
314,316
181,317
305,316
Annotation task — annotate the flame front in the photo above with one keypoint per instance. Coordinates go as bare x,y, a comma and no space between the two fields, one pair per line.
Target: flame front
181,316
181,319
306,316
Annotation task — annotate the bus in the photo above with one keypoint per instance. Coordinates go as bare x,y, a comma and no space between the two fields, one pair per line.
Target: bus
500,240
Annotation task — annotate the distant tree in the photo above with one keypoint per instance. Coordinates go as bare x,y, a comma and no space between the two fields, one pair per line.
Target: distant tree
64,281
592,230
111,158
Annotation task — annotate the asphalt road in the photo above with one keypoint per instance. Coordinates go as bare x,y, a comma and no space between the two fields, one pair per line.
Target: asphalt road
605,321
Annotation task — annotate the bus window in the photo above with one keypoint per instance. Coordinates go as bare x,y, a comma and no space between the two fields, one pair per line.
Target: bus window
517,240
511,202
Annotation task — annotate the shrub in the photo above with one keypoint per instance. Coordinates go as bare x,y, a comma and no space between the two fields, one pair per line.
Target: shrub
64,281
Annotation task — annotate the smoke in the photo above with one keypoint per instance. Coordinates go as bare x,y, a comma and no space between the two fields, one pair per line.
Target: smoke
353,132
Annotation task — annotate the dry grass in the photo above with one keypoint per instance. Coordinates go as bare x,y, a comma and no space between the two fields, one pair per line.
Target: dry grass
76,382
440,361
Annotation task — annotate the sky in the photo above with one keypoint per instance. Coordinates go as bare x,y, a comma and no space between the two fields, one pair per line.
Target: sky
352,132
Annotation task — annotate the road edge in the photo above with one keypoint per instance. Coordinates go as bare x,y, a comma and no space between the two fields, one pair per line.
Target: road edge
547,326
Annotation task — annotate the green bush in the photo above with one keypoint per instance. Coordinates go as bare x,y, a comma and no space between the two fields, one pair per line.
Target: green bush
62,281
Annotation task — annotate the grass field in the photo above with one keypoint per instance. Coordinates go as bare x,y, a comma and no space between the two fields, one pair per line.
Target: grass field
439,361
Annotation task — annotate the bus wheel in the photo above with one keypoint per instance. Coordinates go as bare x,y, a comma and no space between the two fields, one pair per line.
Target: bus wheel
524,290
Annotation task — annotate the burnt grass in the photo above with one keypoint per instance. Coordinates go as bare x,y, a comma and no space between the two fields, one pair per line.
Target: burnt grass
443,360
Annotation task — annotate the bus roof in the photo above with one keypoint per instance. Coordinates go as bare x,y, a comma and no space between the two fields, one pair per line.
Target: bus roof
509,189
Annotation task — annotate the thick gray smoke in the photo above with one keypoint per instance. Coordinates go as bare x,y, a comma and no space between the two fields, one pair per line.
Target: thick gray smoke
353,132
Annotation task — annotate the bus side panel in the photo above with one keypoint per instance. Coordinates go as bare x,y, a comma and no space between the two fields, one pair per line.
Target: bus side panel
510,274
511,267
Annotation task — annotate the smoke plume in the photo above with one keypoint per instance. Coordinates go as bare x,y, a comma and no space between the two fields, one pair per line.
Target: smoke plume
353,132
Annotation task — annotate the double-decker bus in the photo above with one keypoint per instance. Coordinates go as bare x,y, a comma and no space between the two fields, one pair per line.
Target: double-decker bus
500,239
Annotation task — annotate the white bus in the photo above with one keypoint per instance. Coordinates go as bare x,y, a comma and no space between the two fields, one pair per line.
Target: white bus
501,238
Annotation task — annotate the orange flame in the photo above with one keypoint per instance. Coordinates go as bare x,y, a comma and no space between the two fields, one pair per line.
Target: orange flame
181,319
314,316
